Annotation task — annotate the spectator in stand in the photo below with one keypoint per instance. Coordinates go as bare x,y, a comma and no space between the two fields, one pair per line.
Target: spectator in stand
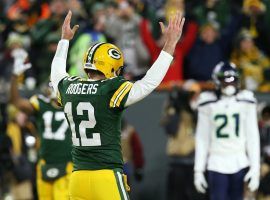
132,152
150,12
211,46
14,41
212,11
42,36
32,11
251,61
257,20
253,9
90,35
156,4
172,6
58,9
122,25
175,72
78,10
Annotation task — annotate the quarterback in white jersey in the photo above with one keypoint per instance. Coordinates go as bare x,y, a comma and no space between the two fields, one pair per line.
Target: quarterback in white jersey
227,138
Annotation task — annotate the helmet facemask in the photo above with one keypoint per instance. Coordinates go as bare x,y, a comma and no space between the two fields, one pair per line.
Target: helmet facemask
226,78
229,85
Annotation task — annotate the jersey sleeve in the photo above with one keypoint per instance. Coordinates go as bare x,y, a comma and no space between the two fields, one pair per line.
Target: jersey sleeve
120,89
35,102
62,87
252,136
202,139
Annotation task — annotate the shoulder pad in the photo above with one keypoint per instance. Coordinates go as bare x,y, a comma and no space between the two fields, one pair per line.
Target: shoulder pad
206,98
122,88
246,96
34,102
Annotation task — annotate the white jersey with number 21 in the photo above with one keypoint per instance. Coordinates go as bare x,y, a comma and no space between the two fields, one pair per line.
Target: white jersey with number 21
227,137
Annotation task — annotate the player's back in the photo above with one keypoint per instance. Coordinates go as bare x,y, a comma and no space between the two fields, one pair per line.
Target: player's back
228,118
52,127
94,109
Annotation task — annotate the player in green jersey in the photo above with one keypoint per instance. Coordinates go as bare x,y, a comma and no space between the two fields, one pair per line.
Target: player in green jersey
94,108
54,166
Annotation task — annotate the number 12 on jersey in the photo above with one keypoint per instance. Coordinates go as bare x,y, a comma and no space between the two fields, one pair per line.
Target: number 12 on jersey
84,124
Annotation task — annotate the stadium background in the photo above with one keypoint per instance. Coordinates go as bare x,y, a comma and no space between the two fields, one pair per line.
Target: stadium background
35,26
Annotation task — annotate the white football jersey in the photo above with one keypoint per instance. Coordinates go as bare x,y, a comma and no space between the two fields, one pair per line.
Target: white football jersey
227,136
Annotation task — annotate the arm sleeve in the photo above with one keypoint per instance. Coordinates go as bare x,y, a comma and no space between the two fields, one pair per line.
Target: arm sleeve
121,89
58,68
202,140
253,138
151,80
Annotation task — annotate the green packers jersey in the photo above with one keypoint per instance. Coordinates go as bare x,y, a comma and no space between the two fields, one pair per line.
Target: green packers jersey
53,130
94,111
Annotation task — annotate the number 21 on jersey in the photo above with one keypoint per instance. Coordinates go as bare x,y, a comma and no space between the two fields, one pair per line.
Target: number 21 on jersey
84,124
224,121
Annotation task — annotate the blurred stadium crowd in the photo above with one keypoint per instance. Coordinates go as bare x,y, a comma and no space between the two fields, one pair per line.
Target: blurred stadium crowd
215,30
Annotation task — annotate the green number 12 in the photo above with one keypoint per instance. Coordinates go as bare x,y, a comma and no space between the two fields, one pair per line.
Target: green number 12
224,119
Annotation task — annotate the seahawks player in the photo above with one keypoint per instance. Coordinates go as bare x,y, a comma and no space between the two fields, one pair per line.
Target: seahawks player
227,138
94,109
54,166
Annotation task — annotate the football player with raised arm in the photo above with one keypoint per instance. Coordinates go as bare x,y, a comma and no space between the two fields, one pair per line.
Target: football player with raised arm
94,108
54,166
227,138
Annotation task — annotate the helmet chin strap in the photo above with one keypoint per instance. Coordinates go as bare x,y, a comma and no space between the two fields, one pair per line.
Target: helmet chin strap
229,90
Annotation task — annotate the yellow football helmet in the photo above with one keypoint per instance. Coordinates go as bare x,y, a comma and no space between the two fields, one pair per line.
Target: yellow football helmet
104,57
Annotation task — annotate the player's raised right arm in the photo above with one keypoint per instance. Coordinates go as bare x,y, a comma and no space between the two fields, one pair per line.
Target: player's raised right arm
156,73
58,68
19,67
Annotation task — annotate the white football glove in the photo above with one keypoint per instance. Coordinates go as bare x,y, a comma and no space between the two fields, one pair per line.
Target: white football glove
253,179
200,182
20,56
20,69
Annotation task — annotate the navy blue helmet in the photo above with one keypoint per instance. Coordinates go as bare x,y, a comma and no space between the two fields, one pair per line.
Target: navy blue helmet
225,73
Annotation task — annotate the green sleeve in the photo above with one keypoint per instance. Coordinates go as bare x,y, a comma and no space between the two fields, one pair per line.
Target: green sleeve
121,89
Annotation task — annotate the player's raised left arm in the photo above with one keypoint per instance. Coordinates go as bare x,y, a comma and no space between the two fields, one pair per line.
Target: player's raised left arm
156,73
58,68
